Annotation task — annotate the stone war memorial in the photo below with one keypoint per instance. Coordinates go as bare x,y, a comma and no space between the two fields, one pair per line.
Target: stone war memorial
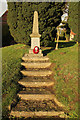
36,98
35,36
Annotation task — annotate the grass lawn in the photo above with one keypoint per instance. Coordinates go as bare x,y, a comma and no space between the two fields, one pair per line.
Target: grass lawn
65,74
66,77
11,60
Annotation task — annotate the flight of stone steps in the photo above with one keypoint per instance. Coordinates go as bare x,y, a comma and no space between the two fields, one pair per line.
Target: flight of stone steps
36,99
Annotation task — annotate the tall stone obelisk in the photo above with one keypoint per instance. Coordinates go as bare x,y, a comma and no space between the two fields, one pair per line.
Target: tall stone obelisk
35,36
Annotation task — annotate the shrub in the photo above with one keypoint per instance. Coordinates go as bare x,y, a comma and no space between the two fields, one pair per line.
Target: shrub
20,20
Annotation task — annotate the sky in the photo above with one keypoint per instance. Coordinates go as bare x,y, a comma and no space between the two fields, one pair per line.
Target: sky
3,7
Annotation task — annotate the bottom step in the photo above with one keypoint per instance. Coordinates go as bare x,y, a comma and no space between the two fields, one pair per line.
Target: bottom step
41,97
38,114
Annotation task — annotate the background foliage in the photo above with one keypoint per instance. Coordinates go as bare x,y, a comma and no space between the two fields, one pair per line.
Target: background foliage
7,39
20,20
73,18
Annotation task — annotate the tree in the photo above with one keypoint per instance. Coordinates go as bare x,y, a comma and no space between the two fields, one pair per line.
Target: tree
66,30
20,20
73,18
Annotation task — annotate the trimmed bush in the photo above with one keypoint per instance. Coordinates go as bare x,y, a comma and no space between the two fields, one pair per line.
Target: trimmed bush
20,20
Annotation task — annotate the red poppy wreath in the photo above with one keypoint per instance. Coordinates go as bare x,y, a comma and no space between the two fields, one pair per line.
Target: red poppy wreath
36,50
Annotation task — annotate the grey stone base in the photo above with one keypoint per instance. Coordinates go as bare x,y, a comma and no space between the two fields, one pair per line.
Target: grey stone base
35,41
31,51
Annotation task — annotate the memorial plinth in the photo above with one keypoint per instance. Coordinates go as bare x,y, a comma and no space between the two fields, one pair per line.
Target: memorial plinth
35,36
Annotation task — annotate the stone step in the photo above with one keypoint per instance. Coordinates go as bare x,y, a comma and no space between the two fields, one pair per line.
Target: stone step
36,79
34,91
35,84
38,114
33,55
41,97
36,73
36,96
36,65
35,58
30,106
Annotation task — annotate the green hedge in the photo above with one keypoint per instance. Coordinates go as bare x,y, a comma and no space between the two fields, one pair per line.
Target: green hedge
20,20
